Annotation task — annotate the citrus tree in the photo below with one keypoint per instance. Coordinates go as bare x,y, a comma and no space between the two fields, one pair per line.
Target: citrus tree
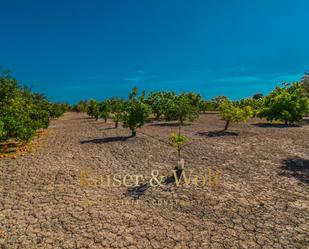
104,110
57,109
216,101
22,112
180,108
206,105
194,98
232,113
287,104
135,114
116,108
118,117
257,96
2,131
16,110
254,103
178,140
93,109
158,102
81,106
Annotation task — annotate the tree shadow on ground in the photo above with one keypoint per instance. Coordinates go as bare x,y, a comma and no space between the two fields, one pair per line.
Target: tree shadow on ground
82,118
305,121
218,134
171,179
269,125
210,112
141,189
137,191
165,124
296,167
109,128
156,138
106,140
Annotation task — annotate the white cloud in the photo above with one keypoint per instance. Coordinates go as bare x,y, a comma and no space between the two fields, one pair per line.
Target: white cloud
141,72
132,79
288,77
238,79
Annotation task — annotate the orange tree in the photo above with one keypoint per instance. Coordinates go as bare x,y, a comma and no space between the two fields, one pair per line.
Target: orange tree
93,109
233,113
136,112
180,108
288,104
22,112
116,108
158,102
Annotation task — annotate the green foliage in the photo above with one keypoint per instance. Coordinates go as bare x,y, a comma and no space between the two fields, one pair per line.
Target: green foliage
118,117
136,113
2,131
178,141
160,104
57,109
23,112
233,113
104,115
81,106
217,101
93,109
194,98
159,101
117,107
206,105
181,108
287,104
255,104
104,110
257,96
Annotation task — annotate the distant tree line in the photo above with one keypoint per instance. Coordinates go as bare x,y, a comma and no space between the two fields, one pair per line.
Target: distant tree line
288,104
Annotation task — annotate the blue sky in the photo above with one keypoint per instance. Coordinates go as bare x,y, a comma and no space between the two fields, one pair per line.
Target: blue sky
73,50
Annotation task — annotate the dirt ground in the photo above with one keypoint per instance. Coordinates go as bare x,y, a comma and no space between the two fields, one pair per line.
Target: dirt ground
262,200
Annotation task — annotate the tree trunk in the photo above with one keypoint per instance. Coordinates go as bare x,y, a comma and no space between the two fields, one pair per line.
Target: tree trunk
286,122
133,133
180,168
181,121
116,124
227,125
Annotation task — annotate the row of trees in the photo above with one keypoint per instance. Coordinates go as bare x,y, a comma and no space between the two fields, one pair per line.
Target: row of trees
287,103
135,111
23,112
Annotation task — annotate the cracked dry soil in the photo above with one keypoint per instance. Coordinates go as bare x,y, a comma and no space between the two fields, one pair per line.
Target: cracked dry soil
262,201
